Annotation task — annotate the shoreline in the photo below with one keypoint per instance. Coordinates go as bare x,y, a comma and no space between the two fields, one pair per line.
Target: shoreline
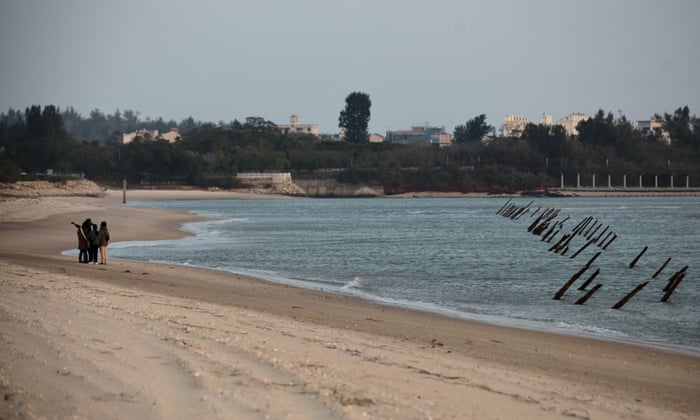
490,320
504,371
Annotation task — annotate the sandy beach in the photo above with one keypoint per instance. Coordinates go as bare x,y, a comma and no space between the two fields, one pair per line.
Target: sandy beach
136,340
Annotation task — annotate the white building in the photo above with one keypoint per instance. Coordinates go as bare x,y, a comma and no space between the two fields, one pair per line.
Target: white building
546,119
171,136
376,138
295,126
571,121
513,125
655,127
144,134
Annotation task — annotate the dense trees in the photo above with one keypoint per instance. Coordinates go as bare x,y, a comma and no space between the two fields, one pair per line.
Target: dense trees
684,130
474,130
102,127
354,118
37,140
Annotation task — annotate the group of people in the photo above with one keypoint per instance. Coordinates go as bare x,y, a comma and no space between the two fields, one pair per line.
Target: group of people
92,240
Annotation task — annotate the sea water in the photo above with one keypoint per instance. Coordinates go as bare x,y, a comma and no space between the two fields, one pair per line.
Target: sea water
459,257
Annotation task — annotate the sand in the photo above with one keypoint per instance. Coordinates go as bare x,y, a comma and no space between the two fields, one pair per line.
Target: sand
138,340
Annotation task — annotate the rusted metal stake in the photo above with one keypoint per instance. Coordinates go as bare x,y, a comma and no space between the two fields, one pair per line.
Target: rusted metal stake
588,235
630,295
610,241
582,248
588,295
634,261
601,234
559,243
673,278
568,284
536,222
661,268
549,232
602,241
590,279
504,206
581,226
673,287
588,264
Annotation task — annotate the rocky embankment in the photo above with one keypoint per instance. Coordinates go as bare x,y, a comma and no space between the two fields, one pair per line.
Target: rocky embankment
50,189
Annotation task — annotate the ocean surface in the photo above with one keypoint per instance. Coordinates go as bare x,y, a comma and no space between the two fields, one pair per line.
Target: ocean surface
459,257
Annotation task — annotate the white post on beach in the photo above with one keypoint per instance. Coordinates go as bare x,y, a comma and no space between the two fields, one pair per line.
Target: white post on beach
624,181
124,190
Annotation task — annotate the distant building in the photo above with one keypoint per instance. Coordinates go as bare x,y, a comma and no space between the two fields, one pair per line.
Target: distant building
425,136
654,127
546,119
144,134
296,127
571,121
376,138
513,125
331,136
171,136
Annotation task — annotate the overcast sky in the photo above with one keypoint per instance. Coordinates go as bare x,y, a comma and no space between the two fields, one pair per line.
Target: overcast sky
440,62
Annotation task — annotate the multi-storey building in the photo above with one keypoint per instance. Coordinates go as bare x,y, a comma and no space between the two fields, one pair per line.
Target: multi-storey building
513,125
546,119
171,136
655,127
423,135
571,121
295,126
376,138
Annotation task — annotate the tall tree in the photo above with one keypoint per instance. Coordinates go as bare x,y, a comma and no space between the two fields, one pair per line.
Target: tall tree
679,126
474,130
355,117
549,140
599,130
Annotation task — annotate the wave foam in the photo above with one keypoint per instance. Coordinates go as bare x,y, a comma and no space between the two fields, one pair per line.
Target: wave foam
356,283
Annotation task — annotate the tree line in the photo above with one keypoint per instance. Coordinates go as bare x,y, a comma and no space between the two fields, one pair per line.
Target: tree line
211,154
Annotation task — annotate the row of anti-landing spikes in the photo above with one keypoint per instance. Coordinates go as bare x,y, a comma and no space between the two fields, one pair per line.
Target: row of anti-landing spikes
545,222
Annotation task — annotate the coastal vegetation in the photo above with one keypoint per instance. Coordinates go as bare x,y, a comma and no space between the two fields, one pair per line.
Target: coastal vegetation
41,140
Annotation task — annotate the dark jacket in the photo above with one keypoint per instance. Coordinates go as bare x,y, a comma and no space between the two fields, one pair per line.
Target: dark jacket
93,238
103,234
82,239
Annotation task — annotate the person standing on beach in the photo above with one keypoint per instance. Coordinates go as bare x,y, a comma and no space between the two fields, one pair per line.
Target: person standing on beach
83,244
93,238
103,235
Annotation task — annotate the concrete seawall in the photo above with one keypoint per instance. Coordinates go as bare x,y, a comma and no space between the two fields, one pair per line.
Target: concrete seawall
308,186
331,188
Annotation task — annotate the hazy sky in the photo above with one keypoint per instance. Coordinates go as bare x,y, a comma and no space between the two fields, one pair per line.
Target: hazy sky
440,62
